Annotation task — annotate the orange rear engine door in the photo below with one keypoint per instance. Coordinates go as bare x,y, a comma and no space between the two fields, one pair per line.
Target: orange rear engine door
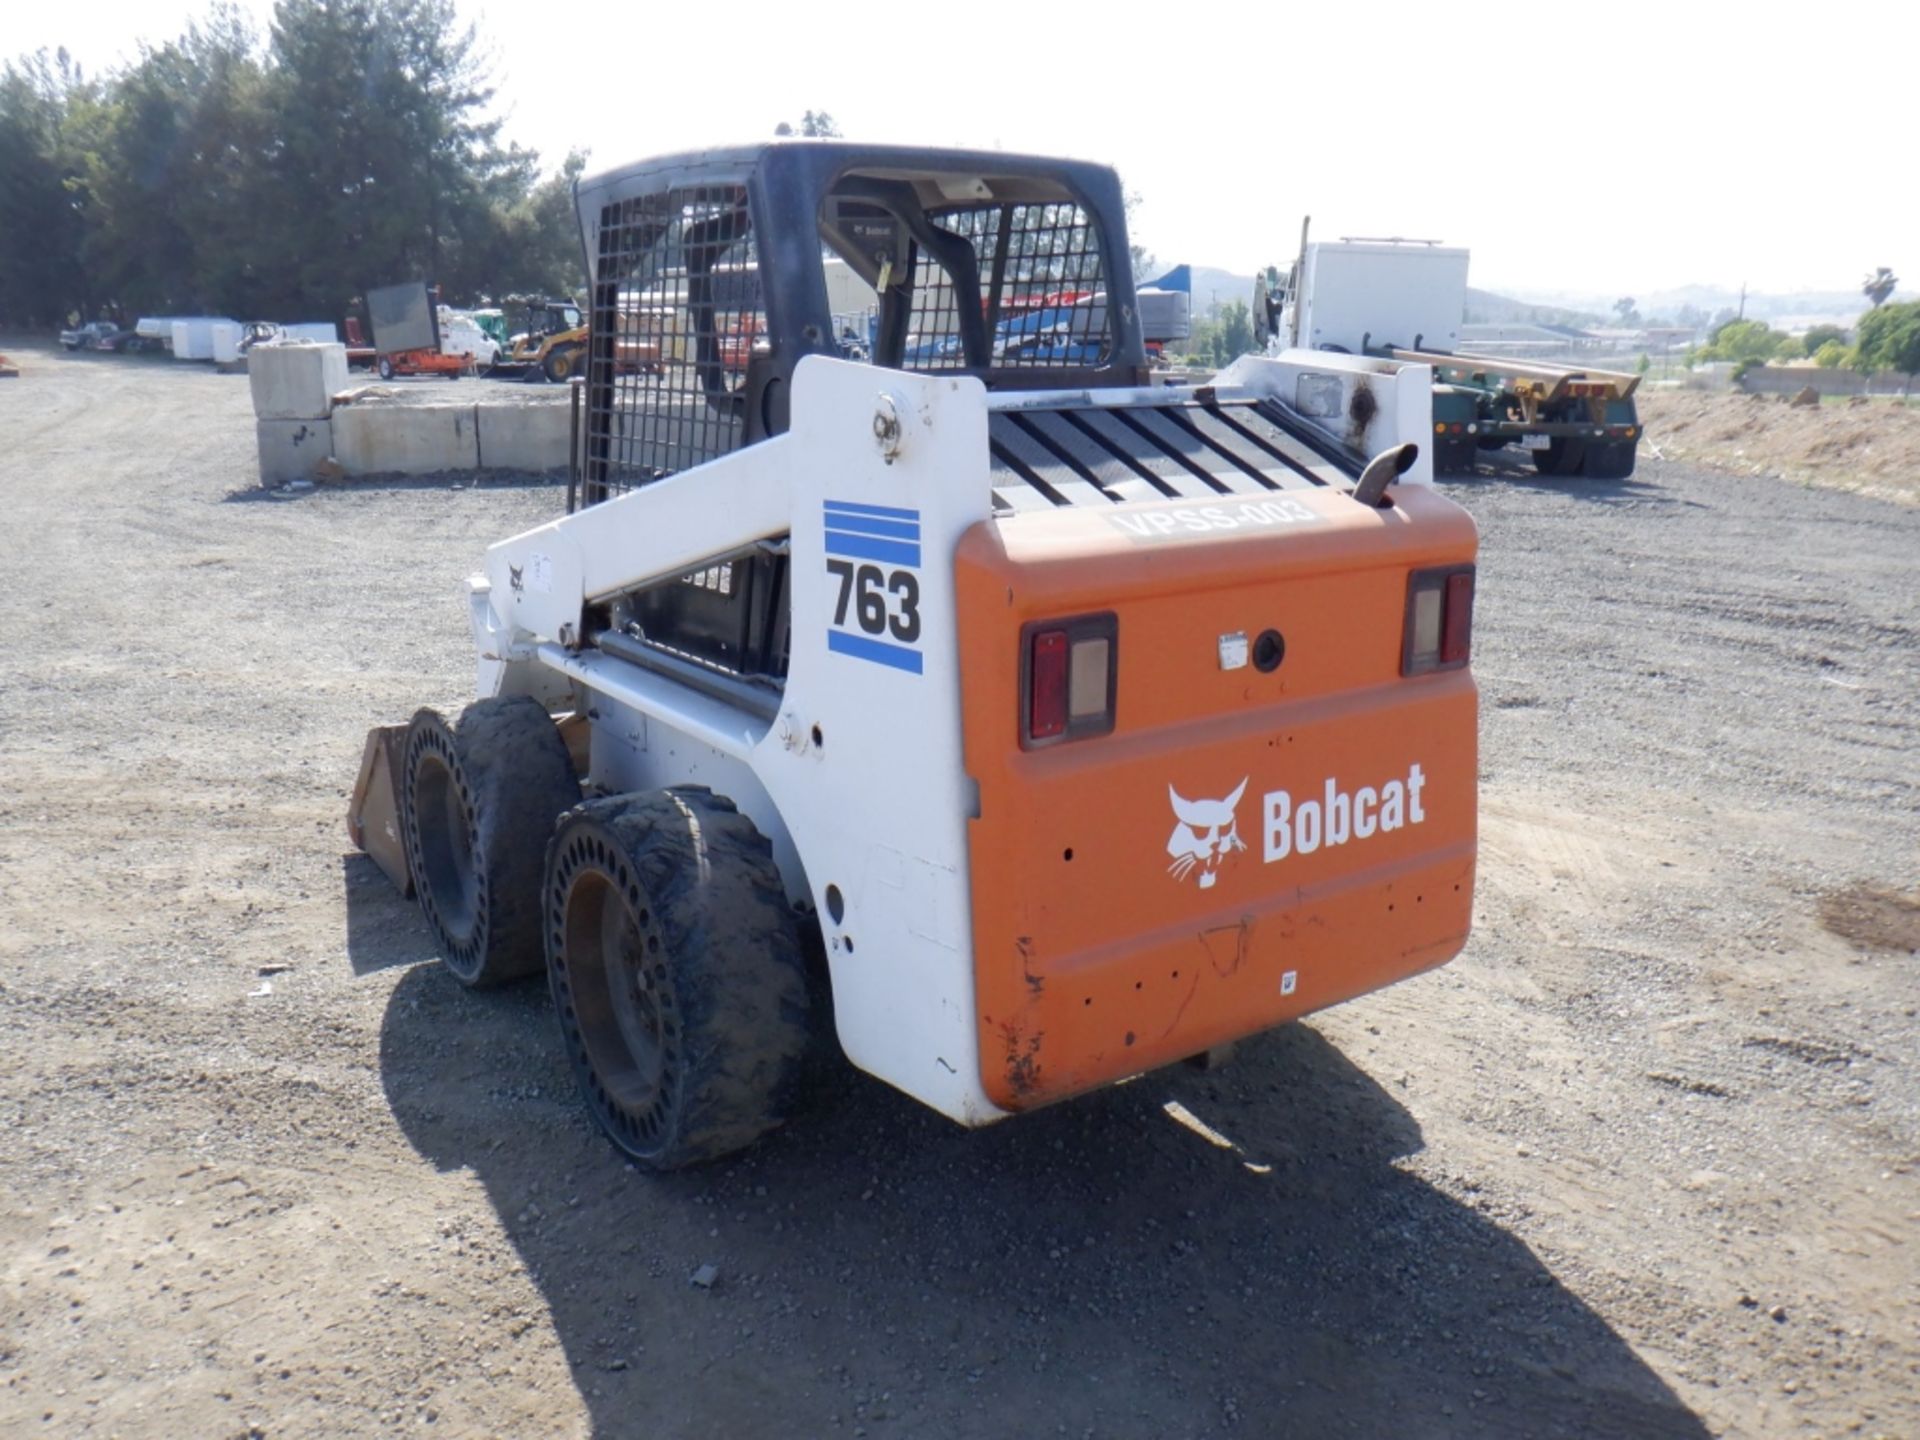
1245,845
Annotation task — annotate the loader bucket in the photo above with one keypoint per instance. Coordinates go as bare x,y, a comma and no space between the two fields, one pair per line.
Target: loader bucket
373,814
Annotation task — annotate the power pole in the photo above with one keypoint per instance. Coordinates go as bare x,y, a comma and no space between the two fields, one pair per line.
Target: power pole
1743,299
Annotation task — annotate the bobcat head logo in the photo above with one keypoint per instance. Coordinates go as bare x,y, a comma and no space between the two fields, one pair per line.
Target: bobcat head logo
1205,835
516,577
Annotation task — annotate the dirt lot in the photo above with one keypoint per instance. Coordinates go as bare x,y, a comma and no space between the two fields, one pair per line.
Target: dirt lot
1871,447
1640,1163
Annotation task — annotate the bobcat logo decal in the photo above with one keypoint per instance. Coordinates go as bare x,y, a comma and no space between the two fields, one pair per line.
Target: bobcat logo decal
1204,835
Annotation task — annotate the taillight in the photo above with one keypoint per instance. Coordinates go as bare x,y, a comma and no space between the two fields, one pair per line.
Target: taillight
1439,622
1068,679
1047,691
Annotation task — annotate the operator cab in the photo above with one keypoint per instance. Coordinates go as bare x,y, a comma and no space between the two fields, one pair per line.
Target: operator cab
726,268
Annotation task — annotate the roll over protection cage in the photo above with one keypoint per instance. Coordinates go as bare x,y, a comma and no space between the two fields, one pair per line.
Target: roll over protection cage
663,388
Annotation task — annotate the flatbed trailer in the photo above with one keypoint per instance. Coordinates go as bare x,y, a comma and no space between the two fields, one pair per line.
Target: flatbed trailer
1573,420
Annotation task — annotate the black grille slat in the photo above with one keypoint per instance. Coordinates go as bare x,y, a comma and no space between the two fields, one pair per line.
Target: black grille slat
1056,430
1073,486
1164,429
1095,455
1110,430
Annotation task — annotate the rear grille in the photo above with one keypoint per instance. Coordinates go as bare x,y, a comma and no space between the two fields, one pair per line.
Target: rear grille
1196,449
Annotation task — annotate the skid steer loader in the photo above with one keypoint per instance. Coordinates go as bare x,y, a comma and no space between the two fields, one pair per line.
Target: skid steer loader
1072,725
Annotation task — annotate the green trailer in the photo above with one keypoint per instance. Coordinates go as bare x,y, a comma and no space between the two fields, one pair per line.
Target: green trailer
1572,421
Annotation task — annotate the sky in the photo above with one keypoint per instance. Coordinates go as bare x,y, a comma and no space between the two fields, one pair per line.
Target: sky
1620,148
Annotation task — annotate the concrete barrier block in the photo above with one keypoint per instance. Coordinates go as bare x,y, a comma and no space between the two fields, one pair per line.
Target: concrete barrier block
292,449
372,439
524,436
295,382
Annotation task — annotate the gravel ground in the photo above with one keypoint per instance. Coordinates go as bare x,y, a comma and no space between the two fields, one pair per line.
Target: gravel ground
1640,1163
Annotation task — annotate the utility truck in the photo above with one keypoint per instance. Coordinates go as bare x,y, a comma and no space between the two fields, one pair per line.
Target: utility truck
1403,300
1018,723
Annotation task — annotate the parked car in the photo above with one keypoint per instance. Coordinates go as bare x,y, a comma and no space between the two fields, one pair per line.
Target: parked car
100,335
259,332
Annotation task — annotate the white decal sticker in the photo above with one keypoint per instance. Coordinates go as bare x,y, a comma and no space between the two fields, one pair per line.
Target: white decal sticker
1204,834
1289,981
1155,523
540,573
1233,651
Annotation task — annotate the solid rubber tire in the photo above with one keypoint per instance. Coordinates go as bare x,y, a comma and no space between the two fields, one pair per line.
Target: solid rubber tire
478,803
1456,457
563,363
1613,460
1561,457
706,958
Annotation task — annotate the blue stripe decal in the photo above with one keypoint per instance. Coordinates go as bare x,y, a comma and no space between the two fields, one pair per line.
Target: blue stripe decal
866,547
861,648
862,525
883,512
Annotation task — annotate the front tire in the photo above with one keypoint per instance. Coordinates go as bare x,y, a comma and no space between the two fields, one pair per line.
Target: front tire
677,972
478,802
385,367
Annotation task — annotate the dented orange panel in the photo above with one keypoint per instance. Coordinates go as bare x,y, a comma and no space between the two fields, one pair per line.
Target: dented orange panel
1244,847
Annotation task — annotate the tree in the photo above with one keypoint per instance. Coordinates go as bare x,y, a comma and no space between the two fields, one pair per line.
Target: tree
815,125
44,197
1879,286
1225,336
1625,313
380,144
1890,340
1819,335
1143,261
224,172
1743,342
1831,355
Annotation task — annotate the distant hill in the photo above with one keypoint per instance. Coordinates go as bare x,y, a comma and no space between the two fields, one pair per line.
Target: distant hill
1211,285
1839,306
1486,308
1584,310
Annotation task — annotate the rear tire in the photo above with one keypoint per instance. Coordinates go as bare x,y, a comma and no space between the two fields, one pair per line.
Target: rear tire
1456,457
1561,457
562,364
1613,460
478,803
385,367
677,972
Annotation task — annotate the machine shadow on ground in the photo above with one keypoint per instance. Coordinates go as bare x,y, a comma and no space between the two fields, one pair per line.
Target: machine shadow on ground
1168,1257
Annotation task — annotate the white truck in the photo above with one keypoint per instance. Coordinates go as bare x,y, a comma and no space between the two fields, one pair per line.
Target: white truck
1403,301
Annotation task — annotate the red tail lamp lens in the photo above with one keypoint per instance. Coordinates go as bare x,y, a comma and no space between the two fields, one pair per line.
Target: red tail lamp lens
1439,622
1047,689
1069,679
1456,635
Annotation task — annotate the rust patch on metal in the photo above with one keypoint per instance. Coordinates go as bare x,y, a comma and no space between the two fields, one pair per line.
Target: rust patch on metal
1036,984
1022,1059
1362,408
